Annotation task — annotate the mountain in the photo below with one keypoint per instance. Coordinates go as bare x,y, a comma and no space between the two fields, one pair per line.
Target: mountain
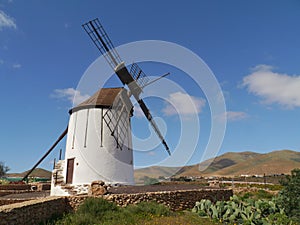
155,172
230,164
38,172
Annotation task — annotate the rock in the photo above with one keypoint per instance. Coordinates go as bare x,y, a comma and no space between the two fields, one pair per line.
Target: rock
98,182
97,188
215,183
96,191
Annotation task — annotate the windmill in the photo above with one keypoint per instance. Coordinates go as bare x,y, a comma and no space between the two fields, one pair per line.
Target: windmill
135,79
99,141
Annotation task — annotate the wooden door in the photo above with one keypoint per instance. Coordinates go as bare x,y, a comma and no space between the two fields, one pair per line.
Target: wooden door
70,170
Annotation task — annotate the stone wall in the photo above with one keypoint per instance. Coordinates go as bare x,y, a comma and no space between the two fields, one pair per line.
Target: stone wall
15,187
74,201
35,211
175,200
32,212
11,201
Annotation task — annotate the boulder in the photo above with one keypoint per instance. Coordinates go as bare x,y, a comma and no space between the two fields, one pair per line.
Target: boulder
98,188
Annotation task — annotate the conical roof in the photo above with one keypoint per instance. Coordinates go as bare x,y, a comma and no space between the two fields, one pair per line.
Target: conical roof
103,98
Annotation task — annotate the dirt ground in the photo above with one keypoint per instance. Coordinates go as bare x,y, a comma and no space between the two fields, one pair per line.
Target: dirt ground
115,190
154,188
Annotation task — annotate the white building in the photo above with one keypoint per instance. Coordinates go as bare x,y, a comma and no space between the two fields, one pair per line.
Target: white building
92,152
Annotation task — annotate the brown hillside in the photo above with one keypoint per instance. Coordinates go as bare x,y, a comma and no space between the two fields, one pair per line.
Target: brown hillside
233,163
155,172
38,172
276,162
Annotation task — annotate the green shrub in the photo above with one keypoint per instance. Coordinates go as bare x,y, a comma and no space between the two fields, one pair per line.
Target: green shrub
290,195
272,187
259,194
3,169
4,182
262,194
278,218
97,207
99,211
149,208
77,219
150,180
121,217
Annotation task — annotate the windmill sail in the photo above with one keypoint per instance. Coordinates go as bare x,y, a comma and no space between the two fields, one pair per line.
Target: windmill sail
114,118
135,79
138,75
98,35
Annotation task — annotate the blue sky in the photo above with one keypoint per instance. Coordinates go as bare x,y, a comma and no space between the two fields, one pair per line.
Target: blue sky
251,47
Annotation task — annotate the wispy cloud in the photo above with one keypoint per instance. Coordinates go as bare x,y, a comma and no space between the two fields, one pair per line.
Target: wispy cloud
1,61
236,115
273,87
262,68
183,104
151,153
16,66
232,116
69,94
6,21
67,25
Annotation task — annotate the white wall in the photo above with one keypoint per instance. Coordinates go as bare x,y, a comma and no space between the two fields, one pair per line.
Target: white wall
94,161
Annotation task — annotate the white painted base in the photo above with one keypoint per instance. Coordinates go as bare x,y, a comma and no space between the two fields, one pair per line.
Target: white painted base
58,191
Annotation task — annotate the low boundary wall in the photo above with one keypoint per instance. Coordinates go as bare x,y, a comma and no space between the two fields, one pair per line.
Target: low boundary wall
15,187
4,201
175,200
32,212
35,211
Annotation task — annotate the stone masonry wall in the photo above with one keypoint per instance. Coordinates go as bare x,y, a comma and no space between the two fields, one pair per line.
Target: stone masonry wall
11,201
35,211
175,200
32,212
15,187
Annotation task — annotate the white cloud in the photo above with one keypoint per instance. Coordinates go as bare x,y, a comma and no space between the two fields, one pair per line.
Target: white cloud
183,104
262,67
67,25
70,94
16,66
138,112
6,21
151,153
273,87
235,115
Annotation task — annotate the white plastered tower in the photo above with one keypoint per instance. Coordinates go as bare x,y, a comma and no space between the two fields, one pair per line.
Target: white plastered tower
92,152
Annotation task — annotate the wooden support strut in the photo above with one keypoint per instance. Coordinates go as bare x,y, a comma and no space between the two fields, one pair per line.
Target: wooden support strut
46,154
